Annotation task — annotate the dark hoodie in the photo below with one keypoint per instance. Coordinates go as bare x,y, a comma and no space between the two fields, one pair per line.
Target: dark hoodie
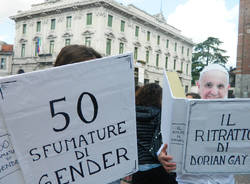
148,133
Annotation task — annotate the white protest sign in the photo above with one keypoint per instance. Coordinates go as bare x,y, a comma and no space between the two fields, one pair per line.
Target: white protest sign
218,137
206,136
75,123
10,172
173,117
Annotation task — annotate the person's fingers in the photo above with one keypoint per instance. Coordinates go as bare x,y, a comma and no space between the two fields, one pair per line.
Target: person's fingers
166,162
168,169
164,149
166,158
169,157
170,164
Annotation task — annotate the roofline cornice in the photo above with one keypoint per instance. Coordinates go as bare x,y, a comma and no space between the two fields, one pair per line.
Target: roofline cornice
110,4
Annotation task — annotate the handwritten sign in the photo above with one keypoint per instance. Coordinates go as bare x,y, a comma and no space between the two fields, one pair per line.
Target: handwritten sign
10,172
9,168
173,117
206,136
75,123
218,137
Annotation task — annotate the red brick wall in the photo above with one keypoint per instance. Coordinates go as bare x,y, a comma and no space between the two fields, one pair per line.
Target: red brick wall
243,50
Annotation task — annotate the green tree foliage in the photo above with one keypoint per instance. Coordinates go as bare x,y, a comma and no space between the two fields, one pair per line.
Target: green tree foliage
205,53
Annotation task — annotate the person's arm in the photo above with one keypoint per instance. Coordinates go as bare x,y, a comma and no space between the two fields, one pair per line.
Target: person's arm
165,159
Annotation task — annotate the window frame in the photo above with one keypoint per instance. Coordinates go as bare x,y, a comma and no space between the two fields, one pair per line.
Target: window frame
148,36
147,56
110,20
166,62
89,19
23,50
67,41
24,28
121,48
52,24
88,41
51,46
157,60
137,28
135,53
3,63
158,39
108,46
122,28
68,22
38,26
146,81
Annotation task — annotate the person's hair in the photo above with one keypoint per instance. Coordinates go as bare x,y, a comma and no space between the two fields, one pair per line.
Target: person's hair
74,54
137,87
215,67
194,95
149,95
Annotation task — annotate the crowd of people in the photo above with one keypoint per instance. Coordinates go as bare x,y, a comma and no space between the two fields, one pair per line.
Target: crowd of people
157,169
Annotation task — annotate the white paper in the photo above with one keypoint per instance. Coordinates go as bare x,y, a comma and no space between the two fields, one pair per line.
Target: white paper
58,119
173,123
10,172
188,125
218,137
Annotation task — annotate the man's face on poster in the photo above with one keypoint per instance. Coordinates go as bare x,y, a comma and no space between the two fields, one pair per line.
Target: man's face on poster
213,85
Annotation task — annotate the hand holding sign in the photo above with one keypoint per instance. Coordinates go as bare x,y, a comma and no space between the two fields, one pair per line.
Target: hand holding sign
166,159
207,136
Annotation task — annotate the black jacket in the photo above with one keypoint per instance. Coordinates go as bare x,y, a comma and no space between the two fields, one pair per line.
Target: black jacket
149,141
148,133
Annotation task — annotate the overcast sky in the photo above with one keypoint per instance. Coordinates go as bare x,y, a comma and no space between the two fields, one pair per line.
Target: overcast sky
197,19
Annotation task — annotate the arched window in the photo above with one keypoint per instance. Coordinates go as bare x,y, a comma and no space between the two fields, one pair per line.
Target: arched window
20,71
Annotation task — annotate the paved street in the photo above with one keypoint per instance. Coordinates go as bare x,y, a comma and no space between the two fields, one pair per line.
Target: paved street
242,179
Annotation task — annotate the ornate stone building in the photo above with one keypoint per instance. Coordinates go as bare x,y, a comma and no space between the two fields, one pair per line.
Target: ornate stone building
242,88
6,54
107,26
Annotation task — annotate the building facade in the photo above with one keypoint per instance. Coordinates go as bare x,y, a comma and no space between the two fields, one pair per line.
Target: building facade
6,55
242,83
109,27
